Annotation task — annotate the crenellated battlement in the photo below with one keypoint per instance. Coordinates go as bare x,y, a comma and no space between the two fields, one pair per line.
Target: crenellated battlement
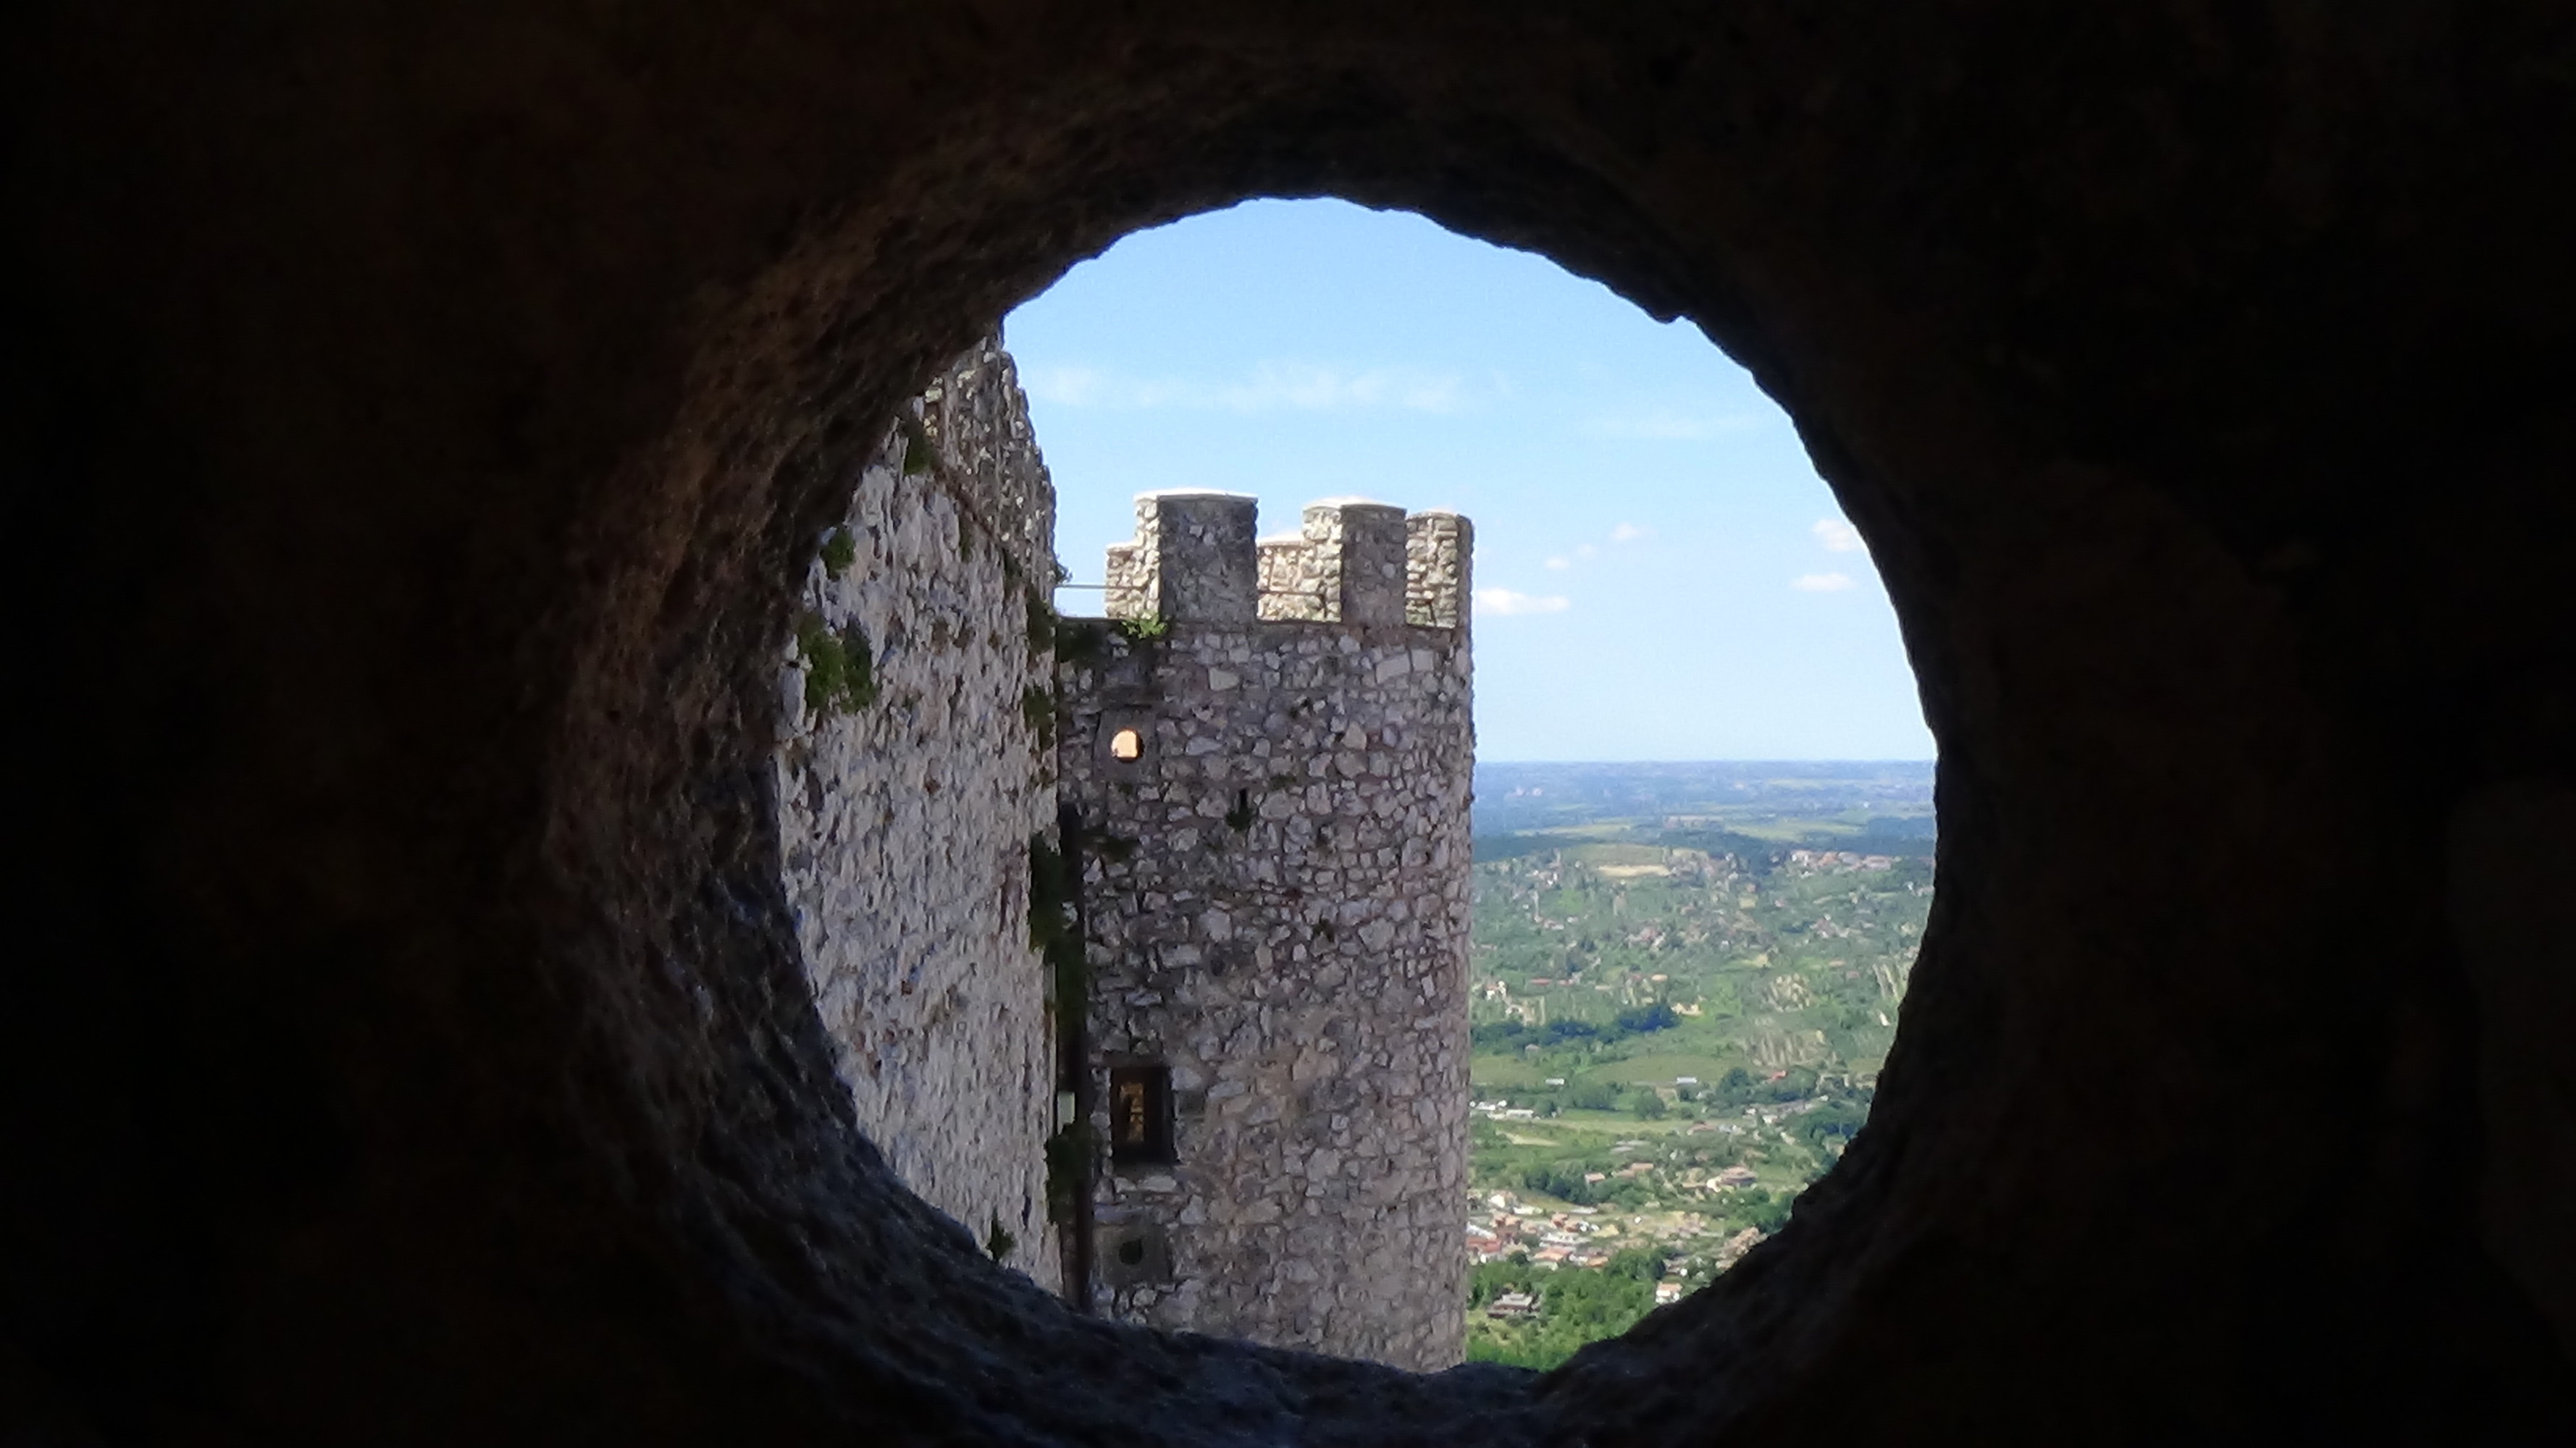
1439,554
1196,559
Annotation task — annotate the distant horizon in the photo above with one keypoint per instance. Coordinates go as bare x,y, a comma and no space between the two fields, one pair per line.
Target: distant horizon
1839,801
1732,759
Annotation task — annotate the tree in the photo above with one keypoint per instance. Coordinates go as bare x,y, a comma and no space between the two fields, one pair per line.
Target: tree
1641,1019
1834,1122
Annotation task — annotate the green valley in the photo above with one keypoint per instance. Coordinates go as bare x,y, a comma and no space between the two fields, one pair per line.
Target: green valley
1685,979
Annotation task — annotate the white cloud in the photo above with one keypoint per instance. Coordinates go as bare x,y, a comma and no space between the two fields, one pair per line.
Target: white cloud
1272,387
1821,582
1066,386
1626,533
1667,425
1503,603
1585,550
1838,536
1558,563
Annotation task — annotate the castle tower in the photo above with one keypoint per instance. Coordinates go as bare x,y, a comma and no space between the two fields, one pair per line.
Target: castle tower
1268,751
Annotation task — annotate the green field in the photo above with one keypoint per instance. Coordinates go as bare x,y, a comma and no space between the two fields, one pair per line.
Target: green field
1663,1068
1503,1070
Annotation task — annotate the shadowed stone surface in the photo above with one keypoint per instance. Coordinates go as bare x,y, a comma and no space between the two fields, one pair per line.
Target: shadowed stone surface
906,806
418,421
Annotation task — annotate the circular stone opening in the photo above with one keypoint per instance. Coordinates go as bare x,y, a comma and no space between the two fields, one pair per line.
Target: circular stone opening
1125,746
444,1071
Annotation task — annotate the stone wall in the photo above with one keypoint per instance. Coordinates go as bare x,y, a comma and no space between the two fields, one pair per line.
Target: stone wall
1303,574
1276,889
1192,557
908,796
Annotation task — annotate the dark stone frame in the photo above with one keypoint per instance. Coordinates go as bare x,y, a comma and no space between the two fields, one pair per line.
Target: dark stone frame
412,430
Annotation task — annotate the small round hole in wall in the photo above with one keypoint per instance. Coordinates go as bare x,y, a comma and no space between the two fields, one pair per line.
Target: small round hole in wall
1126,745
1132,1251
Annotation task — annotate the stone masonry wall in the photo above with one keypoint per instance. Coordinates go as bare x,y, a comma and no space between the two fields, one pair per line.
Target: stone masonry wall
1277,911
907,803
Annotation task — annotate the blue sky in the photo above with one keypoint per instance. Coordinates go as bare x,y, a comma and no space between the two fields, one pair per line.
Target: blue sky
1659,572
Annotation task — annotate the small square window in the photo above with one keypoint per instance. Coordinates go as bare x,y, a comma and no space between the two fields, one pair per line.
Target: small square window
1140,1113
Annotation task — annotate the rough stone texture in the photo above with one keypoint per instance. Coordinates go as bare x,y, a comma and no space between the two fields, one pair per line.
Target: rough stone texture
1277,910
1350,560
905,824
1192,558
419,423
1439,559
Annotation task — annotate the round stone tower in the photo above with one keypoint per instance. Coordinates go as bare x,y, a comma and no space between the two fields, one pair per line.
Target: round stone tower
1267,752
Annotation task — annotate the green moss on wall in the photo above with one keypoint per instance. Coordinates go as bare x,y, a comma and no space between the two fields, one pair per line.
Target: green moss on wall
840,550
840,668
